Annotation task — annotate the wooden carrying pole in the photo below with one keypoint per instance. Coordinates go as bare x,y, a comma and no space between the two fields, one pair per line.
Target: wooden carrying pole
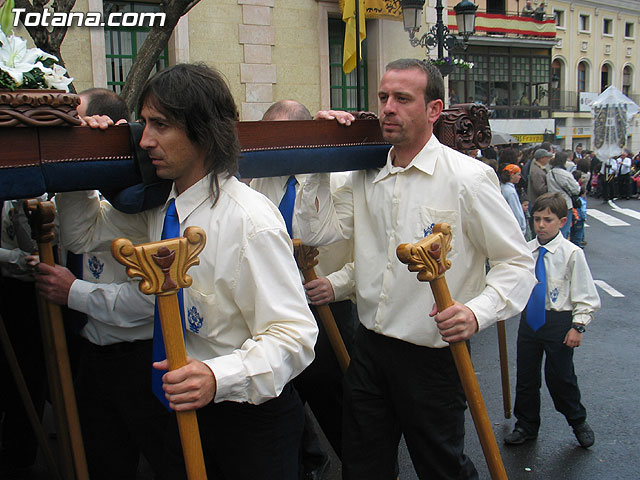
163,268
429,258
306,260
73,461
504,368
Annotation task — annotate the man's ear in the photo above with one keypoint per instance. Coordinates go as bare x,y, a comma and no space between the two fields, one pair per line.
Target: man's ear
434,109
563,221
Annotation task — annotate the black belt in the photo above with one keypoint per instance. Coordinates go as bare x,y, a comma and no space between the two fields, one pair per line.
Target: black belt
120,347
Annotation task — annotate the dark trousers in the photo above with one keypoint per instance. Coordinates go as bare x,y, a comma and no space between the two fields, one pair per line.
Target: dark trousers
608,188
559,373
20,315
395,388
320,385
623,185
120,416
242,441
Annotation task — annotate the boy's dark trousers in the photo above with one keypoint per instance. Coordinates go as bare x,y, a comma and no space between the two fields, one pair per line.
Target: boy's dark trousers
558,372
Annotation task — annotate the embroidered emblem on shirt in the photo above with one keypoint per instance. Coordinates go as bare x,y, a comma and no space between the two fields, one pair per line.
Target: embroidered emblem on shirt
95,266
553,294
195,320
429,230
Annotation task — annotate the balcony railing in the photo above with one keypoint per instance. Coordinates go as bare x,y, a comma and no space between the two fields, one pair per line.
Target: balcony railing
509,25
569,101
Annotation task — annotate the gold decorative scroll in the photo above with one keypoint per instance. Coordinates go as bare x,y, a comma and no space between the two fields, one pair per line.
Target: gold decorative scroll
428,257
161,265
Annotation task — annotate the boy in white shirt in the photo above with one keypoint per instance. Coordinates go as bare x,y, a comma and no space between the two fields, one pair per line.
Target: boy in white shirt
561,305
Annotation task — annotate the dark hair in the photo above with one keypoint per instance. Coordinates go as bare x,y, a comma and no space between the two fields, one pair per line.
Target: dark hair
559,160
197,98
505,176
288,109
101,101
577,175
489,152
508,155
555,202
546,146
435,84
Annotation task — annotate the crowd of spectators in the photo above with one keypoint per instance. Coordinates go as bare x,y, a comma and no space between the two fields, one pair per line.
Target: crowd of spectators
531,171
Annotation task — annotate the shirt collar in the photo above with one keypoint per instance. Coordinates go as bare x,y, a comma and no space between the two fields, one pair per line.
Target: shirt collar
425,160
192,197
551,246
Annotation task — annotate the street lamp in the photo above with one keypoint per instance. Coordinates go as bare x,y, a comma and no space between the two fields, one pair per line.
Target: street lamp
439,34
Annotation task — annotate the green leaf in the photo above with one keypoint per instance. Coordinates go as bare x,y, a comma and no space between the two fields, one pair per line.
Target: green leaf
6,17
6,81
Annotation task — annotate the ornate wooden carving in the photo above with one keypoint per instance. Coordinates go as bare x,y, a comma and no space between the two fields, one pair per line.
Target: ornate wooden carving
306,257
154,262
428,257
38,108
464,127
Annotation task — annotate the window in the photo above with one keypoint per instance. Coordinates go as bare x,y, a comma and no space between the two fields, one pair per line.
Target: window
607,26
122,43
628,30
584,23
604,77
582,77
511,82
344,87
627,75
559,14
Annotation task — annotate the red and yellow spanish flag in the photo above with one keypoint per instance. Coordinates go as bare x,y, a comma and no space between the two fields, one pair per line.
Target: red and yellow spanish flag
349,17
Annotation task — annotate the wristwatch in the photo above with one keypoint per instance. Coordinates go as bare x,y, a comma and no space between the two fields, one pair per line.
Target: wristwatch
579,327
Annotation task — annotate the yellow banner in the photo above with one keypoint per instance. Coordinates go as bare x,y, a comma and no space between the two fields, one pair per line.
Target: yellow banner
380,9
529,138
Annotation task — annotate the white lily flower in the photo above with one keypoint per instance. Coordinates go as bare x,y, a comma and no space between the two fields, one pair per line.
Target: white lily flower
16,59
55,77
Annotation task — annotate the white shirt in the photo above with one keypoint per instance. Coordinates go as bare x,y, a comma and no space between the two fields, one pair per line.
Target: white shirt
385,207
624,165
116,309
246,314
333,260
570,286
609,167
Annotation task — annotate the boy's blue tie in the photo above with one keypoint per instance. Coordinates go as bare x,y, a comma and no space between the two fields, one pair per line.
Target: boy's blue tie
287,203
536,305
170,229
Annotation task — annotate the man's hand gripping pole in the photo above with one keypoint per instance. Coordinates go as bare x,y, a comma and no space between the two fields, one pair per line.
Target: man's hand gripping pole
428,257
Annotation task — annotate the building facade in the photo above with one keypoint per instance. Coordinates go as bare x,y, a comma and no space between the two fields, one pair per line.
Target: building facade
597,47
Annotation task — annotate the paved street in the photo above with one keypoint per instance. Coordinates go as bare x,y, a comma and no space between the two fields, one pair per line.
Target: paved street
606,364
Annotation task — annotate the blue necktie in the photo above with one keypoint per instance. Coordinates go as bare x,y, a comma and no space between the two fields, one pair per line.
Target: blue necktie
170,229
537,301
287,203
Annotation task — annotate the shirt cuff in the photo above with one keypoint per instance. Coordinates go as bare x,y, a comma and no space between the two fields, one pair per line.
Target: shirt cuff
582,318
342,285
231,379
484,311
79,295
